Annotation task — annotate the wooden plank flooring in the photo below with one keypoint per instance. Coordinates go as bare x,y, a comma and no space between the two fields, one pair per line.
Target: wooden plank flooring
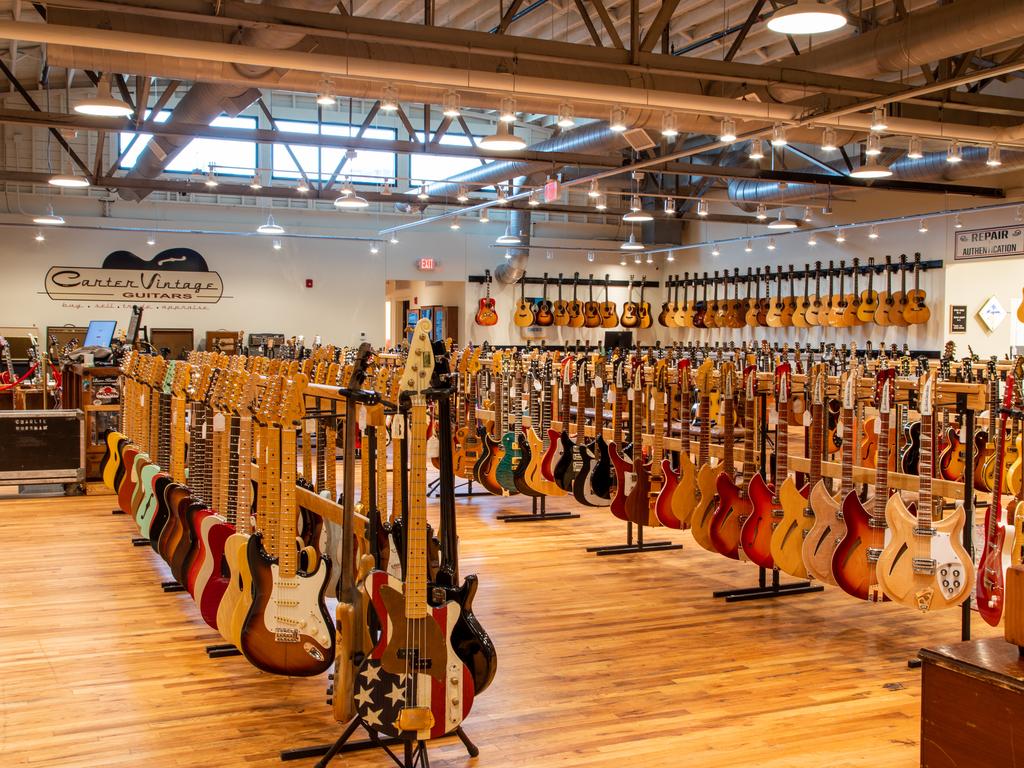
603,662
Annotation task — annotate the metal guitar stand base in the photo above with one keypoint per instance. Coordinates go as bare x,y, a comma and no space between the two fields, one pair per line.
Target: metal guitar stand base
630,547
172,586
140,542
117,512
434,489
222,651
764,590
414,752
539,513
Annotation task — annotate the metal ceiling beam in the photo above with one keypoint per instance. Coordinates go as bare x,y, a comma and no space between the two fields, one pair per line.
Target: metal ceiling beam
589,23
660,24
609,25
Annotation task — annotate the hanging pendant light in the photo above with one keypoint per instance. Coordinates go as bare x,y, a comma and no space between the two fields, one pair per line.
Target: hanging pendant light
806,17
871,171
508,238
503,139
68,180
632,244
49,217
103,104
781,222
271,227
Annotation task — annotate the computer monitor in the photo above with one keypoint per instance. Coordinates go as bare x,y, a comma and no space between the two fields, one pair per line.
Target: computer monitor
133,325
100,333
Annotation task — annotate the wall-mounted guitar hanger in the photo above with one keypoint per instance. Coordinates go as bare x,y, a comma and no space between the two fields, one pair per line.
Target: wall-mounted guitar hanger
584,281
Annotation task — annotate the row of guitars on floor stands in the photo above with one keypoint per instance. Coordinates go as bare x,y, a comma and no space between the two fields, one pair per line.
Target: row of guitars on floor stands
257,547
703,308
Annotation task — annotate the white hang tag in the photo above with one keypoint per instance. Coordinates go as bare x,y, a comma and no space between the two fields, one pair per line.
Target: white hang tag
807,418
599,382
839,429
629,394
512,392
310,426
362,419
398,428
654,402
629,480
537,386
963,434
878,426
574,392
203,431
491,387
142,400
218,422
773,419
174,418
433,447
593,391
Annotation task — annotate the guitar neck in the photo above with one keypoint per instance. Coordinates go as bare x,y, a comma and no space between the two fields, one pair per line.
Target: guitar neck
416,523
817,434
704,452
925,461
882,466
286,519
846,484
243,493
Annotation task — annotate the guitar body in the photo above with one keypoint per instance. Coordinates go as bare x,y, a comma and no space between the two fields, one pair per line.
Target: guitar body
644,314
663,504
470,640
951,577
983,451
592,315
184,548
147,505
868,306
825,534
791,531
774,316
576,314
630,318
446,689
212,574
638,502
582,471
952,459
468,453
623,465
287,630
193,561
995,559
885,305
756,536
136,460
485,314
912,448
813,313
599,479
609,315
561,312
544,316
489,460
685,495
524,314
854,573
174,495
704,510
667,316
727,523
162,515
111,462
563,470
534,477
800,316
238,583
519,473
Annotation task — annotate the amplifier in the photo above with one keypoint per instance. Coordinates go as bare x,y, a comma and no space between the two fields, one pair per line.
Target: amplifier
42,447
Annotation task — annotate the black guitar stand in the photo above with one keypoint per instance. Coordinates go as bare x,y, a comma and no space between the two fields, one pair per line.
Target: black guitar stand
764,590
630,547
538,514
172,586
221,651
414,751
434,489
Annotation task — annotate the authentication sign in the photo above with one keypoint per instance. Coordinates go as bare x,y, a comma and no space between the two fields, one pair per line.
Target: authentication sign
989,243
177,275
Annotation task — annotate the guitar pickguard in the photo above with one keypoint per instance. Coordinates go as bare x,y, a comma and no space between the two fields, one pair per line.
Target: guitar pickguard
293,611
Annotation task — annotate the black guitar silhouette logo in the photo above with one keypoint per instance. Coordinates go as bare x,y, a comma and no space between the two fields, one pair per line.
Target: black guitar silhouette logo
177,259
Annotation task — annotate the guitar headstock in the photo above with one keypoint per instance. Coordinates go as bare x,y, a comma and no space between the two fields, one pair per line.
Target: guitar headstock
849,388
750,382
270,400
473,364
419,365
926,397
818,379
885,380
293,400
727,380
496,356
182,378
705,377
783,382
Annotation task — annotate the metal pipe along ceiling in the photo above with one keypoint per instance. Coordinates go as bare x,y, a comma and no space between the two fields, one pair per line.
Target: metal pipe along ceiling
206,101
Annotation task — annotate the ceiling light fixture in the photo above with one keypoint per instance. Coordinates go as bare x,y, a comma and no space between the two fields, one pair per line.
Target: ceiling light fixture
595,190
211,177
632,244
668,125
871,171
389,99
503,139
349,200
762,212
779,135
566,115
806,17
49,217
727,130
270,227
878,121
452,105
374,248
103,104
670,207
500,196
508,238
957,224
702,207
534,200
507,112
756,150
151,240
650,257
423,194
812,240
807,213
484,216
873,232
914,151
829,143
840,237
874,145
462,197
255,183
617,120
601,203
714,250
590,256
68,180
276,244
922,227
749,247
771,243
636,211
622,261
394,239
325,98
455,226
953,152
995,156
40,237
302,186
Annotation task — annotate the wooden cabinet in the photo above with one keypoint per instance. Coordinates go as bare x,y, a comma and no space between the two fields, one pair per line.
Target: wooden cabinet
96,391
972,701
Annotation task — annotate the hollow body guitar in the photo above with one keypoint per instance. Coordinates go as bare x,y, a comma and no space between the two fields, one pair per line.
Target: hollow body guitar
412,683
855,559
924,565
734,504
679,496
704,509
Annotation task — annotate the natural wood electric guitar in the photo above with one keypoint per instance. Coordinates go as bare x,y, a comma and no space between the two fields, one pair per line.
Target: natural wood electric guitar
734,505
683,494
413,683
704,508
924,565
288,630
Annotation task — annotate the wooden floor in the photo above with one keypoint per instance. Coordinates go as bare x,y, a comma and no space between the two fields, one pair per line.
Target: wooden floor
604,662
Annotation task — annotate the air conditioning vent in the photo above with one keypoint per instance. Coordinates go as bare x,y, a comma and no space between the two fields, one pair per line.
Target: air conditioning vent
638,139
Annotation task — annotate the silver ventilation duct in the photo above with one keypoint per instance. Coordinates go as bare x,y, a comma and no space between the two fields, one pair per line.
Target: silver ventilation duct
935,166
512,269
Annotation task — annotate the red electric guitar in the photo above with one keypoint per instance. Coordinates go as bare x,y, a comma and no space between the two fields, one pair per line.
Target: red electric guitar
995,558
734,505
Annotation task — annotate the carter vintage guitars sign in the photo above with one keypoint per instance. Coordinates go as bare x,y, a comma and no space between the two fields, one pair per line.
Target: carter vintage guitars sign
173,276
